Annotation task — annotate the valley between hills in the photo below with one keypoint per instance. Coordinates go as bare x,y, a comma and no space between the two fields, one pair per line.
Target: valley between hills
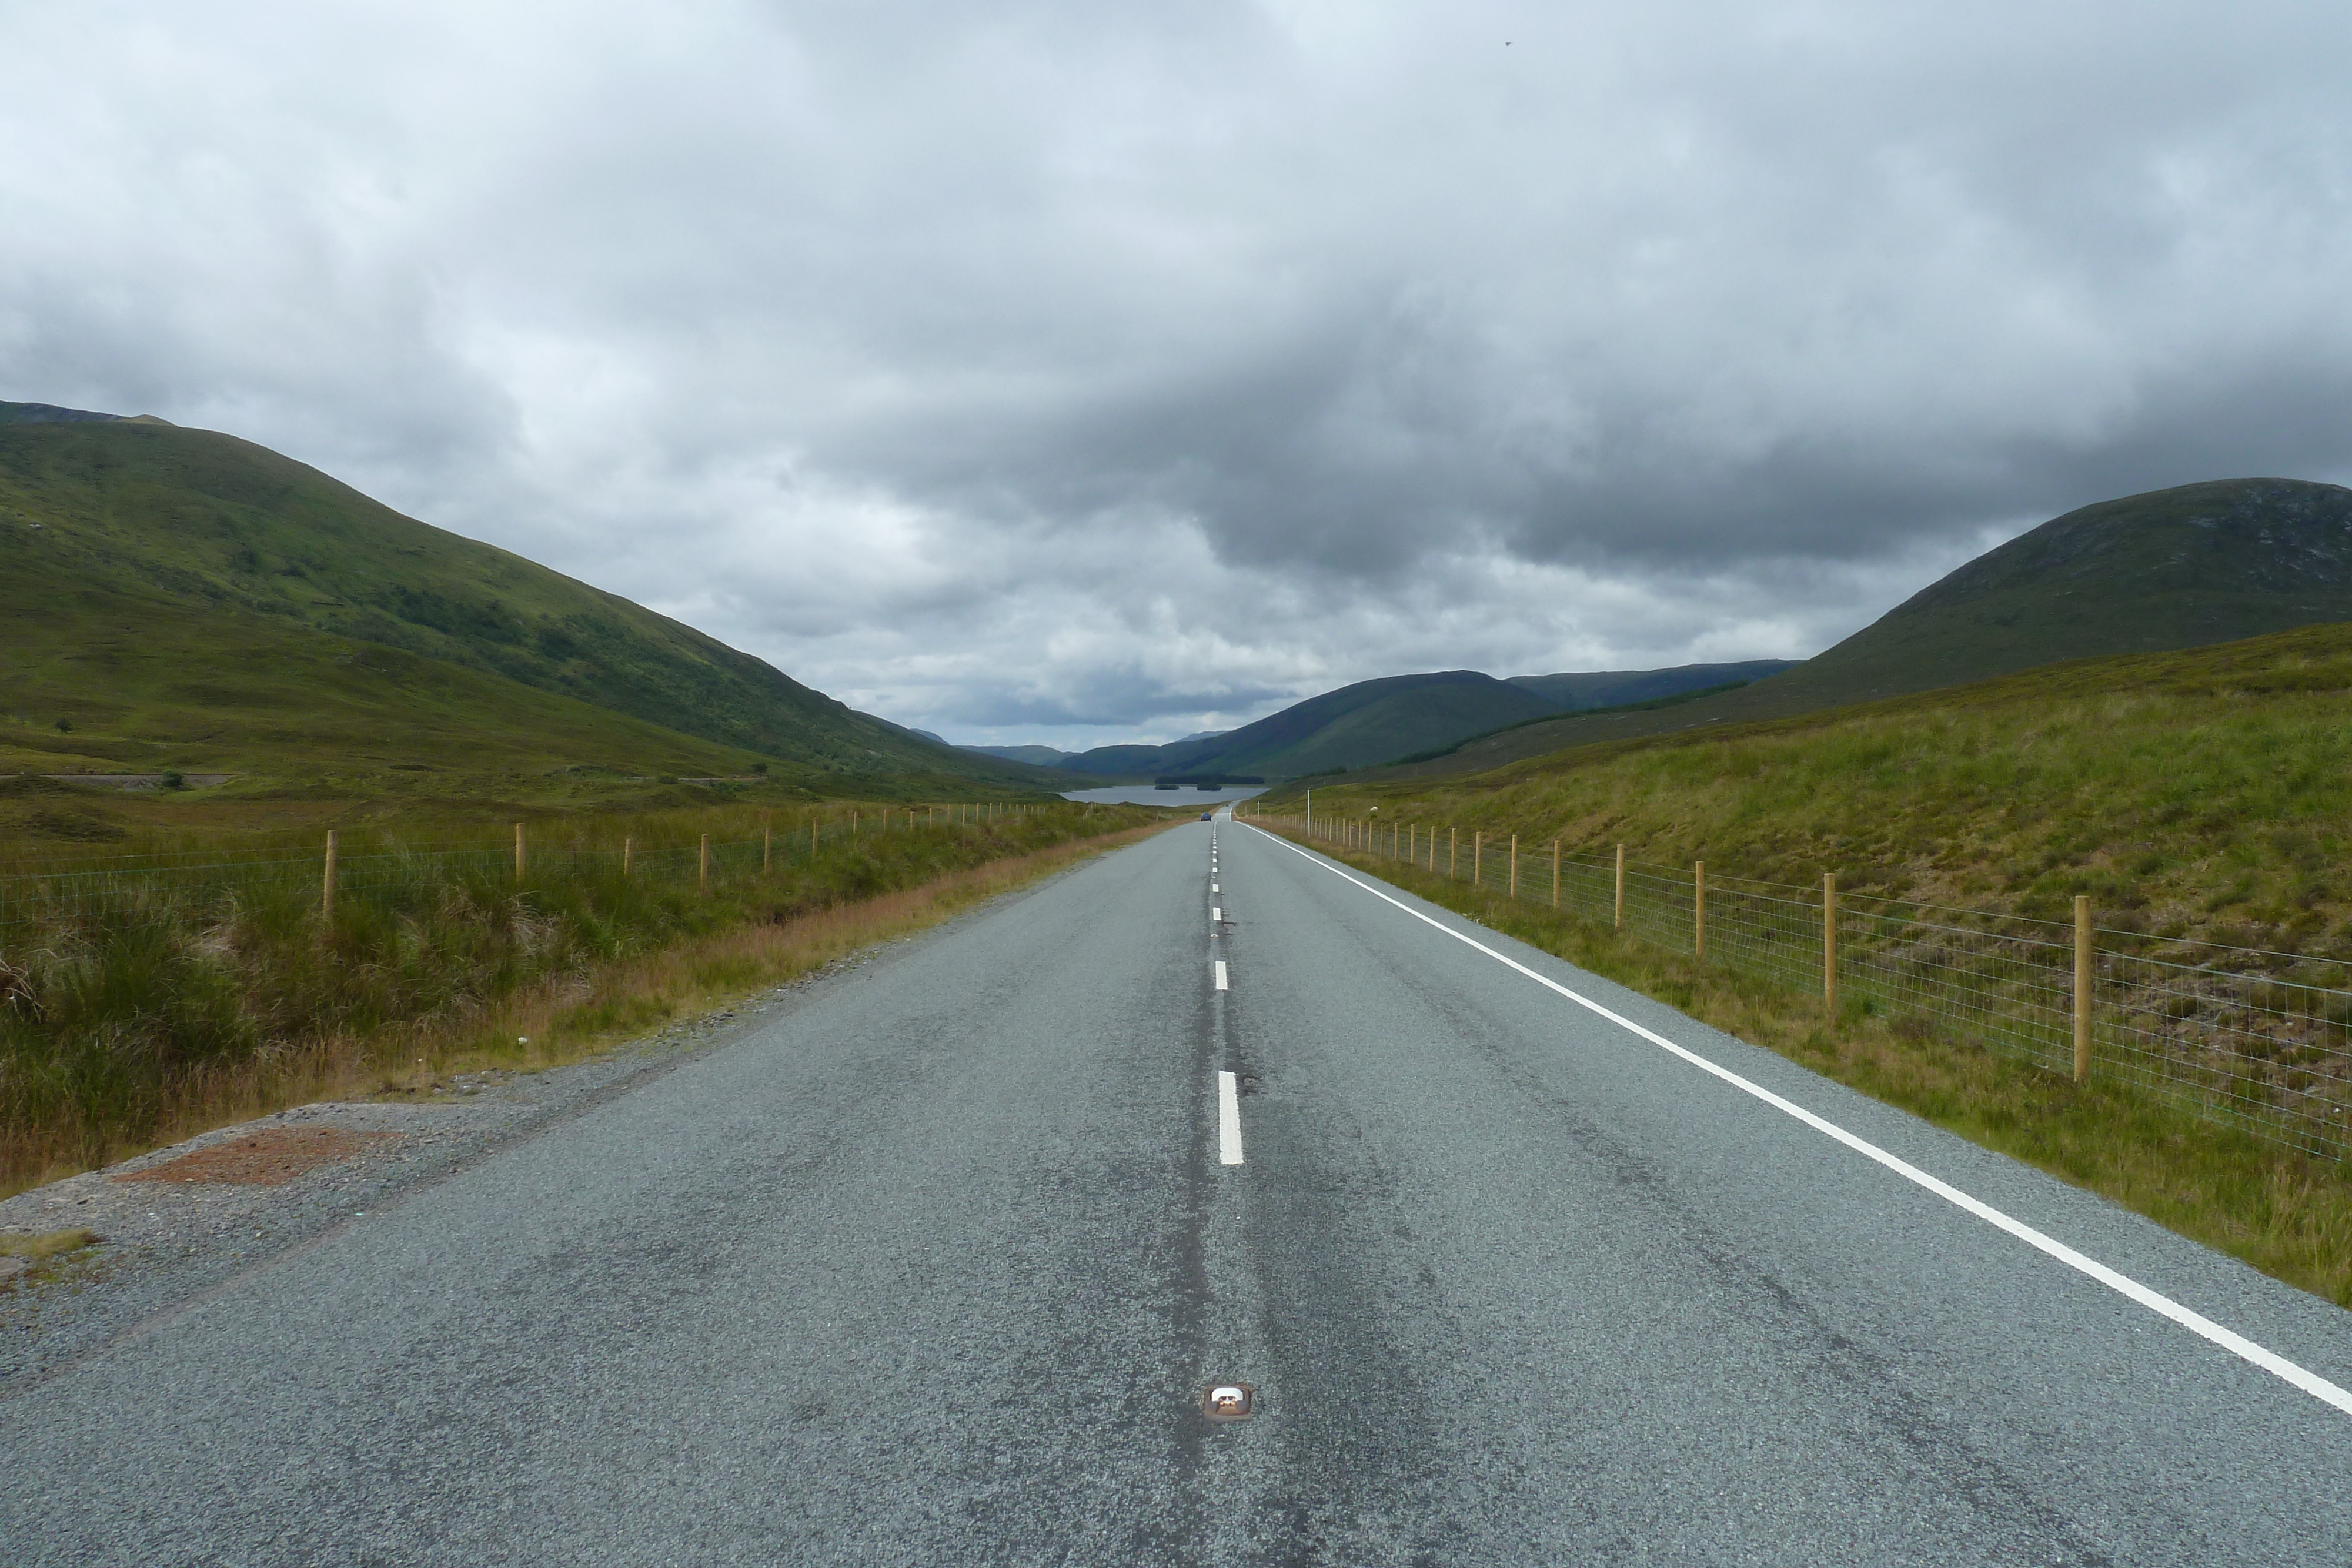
2144,702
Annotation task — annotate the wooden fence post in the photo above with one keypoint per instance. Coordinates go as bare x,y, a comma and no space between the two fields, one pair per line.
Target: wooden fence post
1477,859
520,855
767,848
1620,925
1698,909
702,869
1829,942
1515,865
327,886
813,838
628,848
1555,873
2082,988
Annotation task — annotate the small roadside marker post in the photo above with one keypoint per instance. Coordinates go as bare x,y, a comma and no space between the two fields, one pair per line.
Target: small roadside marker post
521,854
1620,924
1555,873
628,850
1698,909
702,868
1828,943
327,887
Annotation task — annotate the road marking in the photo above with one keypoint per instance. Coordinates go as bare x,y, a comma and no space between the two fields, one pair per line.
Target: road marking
1221,975
1229,1118
1212,887
1215,915
2124,1285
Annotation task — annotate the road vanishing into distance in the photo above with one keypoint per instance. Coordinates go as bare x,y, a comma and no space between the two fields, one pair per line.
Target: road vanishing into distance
936,1266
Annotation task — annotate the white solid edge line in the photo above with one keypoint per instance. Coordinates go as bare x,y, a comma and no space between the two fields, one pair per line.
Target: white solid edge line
2311,1382
1221,975
1229,1120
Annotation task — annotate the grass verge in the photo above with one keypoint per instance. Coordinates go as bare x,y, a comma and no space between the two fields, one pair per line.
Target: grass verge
587,997
2205,794
2286,1214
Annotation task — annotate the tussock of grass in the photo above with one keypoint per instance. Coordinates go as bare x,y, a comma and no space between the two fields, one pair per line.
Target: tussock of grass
2283,1213
156,1018
39,1247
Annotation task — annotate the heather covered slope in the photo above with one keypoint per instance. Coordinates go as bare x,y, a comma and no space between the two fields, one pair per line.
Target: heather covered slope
211,523
102,680
1576,693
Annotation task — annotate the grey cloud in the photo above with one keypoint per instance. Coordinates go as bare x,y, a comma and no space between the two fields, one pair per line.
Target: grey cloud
1130,369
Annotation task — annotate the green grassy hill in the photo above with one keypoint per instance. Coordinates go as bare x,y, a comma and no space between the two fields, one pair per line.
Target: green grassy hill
2204,792
218,525
102,680
2182,568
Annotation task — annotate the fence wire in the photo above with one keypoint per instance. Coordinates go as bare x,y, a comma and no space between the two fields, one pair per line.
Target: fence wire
2256,1039
41,898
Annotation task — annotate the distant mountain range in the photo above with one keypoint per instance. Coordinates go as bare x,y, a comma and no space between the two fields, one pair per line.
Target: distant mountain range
170,530
2200,564
1382,720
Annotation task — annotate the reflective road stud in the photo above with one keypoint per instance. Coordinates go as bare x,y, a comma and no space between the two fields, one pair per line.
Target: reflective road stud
1229,1402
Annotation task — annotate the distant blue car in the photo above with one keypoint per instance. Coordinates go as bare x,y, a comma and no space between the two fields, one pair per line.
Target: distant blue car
1206,815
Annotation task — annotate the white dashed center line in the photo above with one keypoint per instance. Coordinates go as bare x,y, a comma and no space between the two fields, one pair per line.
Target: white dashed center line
1229,1119
1221,975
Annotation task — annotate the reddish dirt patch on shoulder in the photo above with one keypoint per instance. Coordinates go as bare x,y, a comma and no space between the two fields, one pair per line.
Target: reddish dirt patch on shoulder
269,1158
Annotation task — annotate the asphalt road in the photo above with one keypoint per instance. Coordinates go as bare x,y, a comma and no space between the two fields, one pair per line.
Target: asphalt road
935,1268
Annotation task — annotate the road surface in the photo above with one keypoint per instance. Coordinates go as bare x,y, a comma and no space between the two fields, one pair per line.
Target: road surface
935,1267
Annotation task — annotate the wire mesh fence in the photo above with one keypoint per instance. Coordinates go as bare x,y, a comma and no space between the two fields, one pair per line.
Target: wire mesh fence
44,895
2257,1040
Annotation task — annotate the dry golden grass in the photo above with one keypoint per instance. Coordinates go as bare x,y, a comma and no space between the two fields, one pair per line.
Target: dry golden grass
564,1018
37,1247
2286,1214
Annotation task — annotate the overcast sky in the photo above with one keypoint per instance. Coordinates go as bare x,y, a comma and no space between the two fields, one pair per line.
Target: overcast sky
1077,371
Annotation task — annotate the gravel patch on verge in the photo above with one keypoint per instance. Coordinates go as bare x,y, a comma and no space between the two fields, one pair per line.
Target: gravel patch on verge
167,1240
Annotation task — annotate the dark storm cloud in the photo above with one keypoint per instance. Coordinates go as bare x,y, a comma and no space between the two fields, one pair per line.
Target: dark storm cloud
1070,368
